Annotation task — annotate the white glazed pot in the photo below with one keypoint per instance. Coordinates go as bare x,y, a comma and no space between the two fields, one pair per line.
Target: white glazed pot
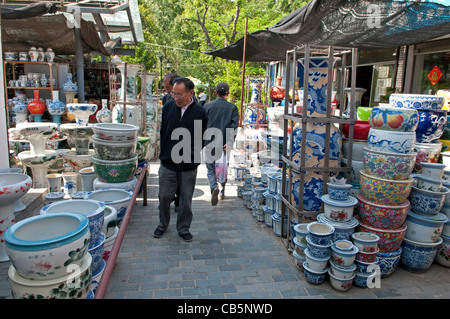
339,210
316,263
92,209
425,228
96,250
97,276
344,258
117,198
74,285
433,170
342,272
116,131
366,242
443,253
129,186
110,221
109,243
47,246
340,284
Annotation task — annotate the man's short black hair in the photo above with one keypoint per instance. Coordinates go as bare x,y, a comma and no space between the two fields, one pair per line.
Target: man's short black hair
171,77
187,82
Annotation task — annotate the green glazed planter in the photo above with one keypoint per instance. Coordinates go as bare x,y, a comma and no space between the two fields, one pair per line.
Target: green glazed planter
115,171
143,148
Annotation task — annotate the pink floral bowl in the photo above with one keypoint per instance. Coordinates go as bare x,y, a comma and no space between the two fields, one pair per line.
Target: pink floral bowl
384,191
390,239
387,165
382,216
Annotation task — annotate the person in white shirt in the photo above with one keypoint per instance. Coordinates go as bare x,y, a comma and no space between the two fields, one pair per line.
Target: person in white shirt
202,97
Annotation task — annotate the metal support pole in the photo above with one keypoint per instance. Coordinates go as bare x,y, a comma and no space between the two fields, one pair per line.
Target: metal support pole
243,73
79,62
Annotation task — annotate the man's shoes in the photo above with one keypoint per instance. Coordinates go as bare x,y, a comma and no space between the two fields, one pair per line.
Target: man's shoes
221,196
214,196
186,237
158,233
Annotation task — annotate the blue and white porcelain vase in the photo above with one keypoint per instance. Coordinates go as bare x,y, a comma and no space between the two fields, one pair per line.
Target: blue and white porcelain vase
256,85
20,110
56,108
317,84
69,86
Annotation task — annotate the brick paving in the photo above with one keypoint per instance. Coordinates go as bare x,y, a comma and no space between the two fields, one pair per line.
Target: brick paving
232,256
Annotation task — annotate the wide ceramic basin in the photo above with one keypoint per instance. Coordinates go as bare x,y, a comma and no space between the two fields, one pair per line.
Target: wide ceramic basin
93,209
74,285
13,186
36,129
47,246
116,131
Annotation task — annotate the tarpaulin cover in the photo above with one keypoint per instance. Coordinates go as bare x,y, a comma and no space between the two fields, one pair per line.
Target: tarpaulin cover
362,24
47,31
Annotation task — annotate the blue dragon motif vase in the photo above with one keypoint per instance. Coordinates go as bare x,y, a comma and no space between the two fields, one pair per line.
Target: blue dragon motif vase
56,108
315,138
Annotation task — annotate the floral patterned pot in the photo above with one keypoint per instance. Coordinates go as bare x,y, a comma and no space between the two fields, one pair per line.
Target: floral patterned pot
390,239
342,230
387,165
117,171
45,247
417,101
425,228
394,119
113,150
382,216
339,210
366,242
427,202
384,191
388,262
443,253
74,285
340,284
417,257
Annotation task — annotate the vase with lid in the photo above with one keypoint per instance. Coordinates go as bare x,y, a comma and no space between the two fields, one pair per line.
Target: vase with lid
277,92
49,55
56,108
41,55
34,54
36,107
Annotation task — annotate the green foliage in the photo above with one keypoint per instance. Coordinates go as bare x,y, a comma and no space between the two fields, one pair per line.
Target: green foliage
180,32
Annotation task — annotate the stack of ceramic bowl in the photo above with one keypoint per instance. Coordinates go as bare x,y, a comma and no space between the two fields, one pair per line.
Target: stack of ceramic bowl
48,253
270,195
300,244
360,136
366,258
248,190
342,264
338,209
317,252
115,160
425,222
432,122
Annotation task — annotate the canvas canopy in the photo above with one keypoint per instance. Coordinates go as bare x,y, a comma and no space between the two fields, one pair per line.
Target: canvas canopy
363,24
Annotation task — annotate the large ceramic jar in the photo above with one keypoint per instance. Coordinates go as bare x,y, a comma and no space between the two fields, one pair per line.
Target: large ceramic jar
315,157
33,53
317,84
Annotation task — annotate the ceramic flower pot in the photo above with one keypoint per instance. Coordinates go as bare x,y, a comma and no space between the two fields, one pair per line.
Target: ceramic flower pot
343,257
113,150
417,257
126,185
37,134
382,216
339,191
367,257
390,239
109,243
315,263
70,182
82,111
340,271
342,230
110,221
360,130
96,249
388,262
340,284
96,277
425,228
313,276
74,285
320,233
115,131
394,119
433,170
45,247
384,191
366,242
391,141
339,210
388,165
301,232
443,253
115,171
116,198
416,101
92,209
143,148
87,176
318,251
427,202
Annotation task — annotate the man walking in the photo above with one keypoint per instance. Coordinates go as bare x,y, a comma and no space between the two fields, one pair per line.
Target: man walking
180,150
223,116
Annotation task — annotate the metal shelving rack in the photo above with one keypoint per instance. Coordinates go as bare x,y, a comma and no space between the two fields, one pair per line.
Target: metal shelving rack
347,63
